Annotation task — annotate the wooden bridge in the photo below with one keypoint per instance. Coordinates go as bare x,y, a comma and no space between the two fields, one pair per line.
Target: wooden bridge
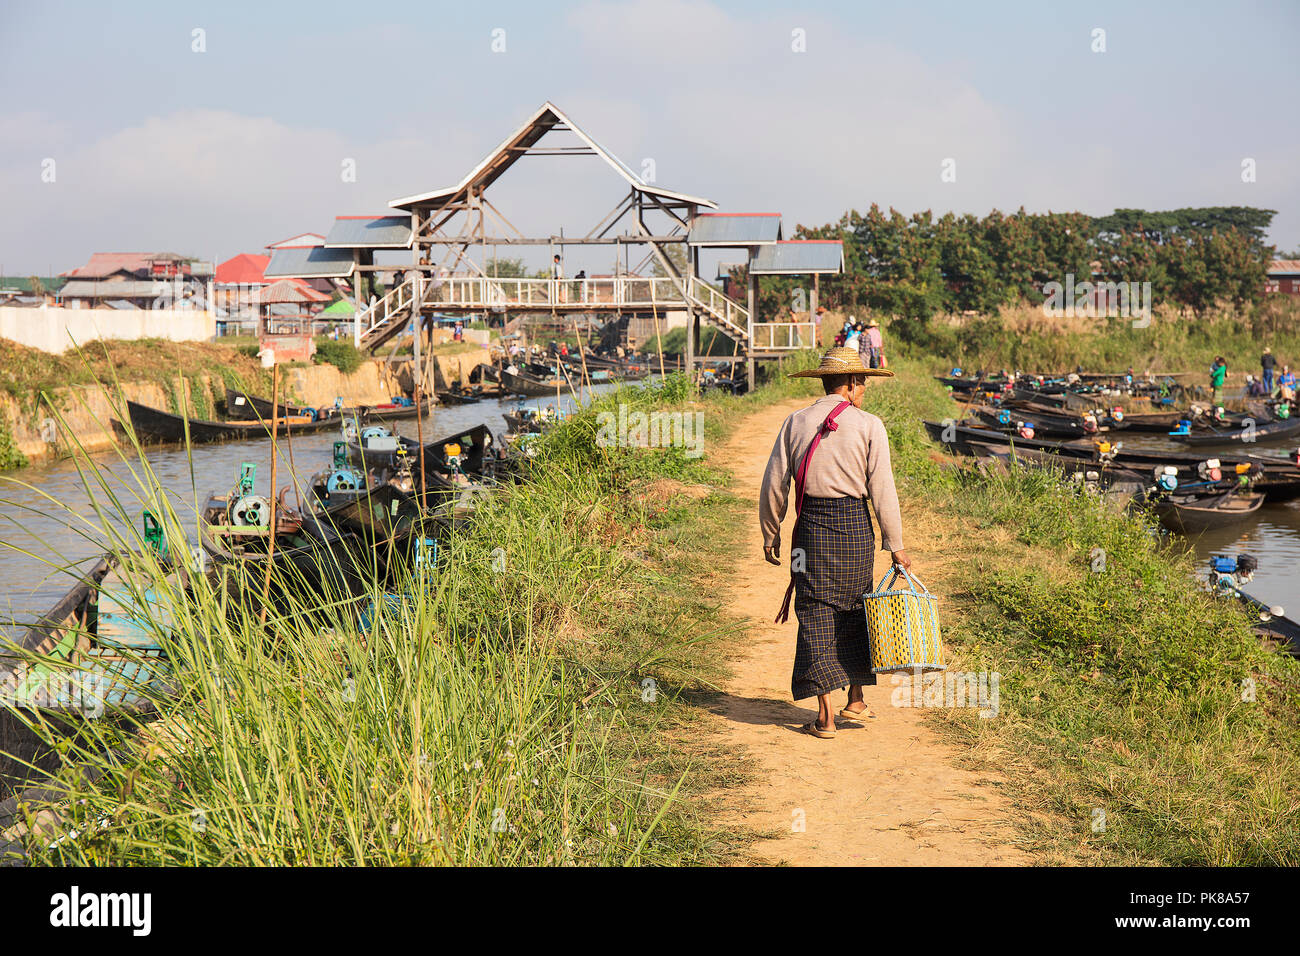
449,270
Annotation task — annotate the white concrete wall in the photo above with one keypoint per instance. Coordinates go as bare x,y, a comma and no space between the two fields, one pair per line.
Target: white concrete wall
54,329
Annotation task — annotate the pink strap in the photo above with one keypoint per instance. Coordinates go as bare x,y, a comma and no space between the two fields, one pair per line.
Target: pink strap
800,479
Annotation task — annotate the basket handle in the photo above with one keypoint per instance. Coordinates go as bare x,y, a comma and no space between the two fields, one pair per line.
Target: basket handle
892,575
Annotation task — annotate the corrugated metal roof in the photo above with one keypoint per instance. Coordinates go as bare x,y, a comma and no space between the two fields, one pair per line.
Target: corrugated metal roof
287,290
735,230
799,257
1284,267
370,232
122,288
309,262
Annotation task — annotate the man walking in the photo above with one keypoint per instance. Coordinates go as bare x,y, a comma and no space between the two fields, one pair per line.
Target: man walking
838,456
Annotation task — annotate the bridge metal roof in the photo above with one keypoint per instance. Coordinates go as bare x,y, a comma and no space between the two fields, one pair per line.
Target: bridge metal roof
309,262
735,230
799,257
370,232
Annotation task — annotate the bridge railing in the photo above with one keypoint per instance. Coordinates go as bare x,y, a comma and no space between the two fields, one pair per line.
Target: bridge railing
782,336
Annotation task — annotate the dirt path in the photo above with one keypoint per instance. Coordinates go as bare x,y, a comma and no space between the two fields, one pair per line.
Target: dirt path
885,793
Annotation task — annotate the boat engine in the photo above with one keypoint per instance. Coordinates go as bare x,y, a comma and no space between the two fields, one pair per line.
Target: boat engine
1166,477
1117,414
1184,427
1004,416
1229,572
378,438
1210,470
1089,422
250,511
1025,429
342,476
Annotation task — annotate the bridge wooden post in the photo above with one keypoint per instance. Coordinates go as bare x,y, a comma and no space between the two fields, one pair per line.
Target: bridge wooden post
751,301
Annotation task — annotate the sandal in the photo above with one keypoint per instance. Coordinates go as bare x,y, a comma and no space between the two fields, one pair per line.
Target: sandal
864,714
812,728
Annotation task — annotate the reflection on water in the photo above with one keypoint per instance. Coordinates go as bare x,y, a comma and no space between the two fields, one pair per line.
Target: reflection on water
49,529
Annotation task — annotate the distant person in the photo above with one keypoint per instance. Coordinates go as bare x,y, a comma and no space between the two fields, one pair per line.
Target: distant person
557,273
1218,375
872,346
1286,383
1267,363
852,336
458,331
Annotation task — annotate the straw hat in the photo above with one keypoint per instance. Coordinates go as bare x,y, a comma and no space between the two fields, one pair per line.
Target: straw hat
841,361
873,324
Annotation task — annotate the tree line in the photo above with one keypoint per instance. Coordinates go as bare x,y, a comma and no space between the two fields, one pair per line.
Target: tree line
918,266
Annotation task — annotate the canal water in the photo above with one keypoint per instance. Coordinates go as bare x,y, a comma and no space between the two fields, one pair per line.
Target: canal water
50,531
1271,535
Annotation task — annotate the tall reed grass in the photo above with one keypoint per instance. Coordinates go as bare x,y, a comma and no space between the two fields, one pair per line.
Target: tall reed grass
471,713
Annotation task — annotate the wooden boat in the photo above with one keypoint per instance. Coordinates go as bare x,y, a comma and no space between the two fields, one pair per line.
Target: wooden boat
96,653
1192,514
1045,422
458,398
154,426
395,411
474,457
311,562
523,384
1279,478
1264,434
1277,626
1106,474
242,407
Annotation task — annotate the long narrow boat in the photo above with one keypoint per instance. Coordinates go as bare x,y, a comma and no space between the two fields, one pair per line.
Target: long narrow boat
1278,626
96,653
154,426
396,411
311,562
521,384
242,407
1279,479
1265,434
1192,514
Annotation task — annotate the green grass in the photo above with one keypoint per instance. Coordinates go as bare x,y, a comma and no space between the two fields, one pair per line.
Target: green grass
499,717
1121,690
1027,340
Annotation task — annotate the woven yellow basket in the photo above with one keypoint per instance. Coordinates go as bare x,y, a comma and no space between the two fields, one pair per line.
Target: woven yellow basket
903,626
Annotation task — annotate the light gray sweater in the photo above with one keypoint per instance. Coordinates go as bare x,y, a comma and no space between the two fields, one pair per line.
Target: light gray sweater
852,461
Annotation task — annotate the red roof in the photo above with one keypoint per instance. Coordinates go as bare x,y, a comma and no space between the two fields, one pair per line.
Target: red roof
104,264
246,268
1284,267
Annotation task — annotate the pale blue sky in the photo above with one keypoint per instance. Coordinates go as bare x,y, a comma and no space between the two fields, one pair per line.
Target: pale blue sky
160,148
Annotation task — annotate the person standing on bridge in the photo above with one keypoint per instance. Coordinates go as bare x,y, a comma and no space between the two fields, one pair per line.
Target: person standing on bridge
838,456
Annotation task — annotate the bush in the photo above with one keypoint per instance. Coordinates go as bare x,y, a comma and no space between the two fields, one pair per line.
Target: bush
342,355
